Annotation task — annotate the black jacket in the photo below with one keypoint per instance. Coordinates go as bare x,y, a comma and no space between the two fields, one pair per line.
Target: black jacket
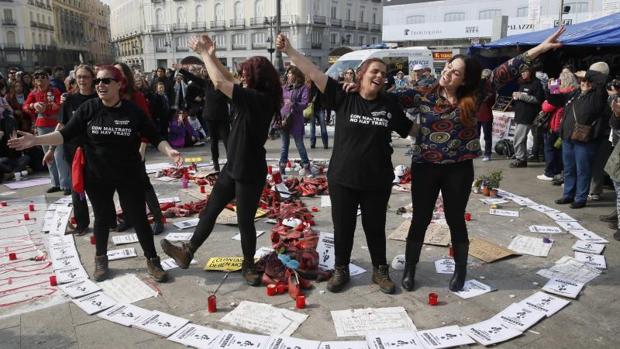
528,106
215,102
588,108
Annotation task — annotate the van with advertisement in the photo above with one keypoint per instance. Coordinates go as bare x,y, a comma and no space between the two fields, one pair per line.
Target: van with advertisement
401,58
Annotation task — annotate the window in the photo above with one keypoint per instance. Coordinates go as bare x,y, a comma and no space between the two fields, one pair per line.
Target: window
238,40
159,16
374,16
39,17
316,37
10,38
362,40
334,11
238,10
577,7
374,40
198,12
220,41
347,39
489,14
219,12
8,15
454,16
362,14
415,19
259,38
259,9
333,39
181,18
522,12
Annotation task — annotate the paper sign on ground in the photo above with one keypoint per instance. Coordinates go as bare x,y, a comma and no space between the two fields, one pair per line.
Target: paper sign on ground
473,288
588,247
543,208
488,251
125,239
238,236
283,342
529,245
325,249
169,263
79,288
444,337
521,201
124,314
401,232
170,200
560,217
437,234
355,270
504,213
67,275
393,340
160,323
490,331
569,268
189,223
545,229
264,318
326,201
494,201
568,226
127,289
122,253
224,264
358,322
344,345
195,336
239,340
28,183
152,168
520,316
595,260
588,236
179,236
165,179
94,303
545,303
72,261
566,288
60,220
227,217
444,266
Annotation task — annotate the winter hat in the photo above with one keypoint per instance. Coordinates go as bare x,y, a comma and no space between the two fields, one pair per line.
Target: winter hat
600,67
597,73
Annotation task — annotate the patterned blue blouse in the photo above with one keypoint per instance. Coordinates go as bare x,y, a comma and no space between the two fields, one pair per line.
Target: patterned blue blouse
442,138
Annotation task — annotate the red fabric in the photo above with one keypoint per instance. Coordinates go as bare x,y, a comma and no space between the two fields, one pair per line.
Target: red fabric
50,118
485,112
77,171
138,98
557,113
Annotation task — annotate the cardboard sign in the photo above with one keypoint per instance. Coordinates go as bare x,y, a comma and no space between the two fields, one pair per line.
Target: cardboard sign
227,217
437,234
488,251
224,264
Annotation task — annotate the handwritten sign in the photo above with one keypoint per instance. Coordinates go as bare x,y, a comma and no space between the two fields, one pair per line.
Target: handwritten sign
224,264
488,251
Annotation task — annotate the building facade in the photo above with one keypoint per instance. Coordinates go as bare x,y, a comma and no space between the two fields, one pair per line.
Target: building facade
157,34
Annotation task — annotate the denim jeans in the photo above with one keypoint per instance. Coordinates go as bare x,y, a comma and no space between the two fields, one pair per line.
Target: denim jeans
487,128
299,143
320,116
59,168
553,156
578,159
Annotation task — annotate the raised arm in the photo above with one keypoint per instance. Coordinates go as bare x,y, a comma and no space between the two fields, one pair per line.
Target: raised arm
222,78
304,64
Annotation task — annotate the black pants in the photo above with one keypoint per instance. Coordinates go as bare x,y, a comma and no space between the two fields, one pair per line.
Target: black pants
218,130
247,195
149,195
131,195
538,146
373,204
454,181
487,128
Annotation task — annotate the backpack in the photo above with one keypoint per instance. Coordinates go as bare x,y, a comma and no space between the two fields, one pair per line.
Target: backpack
505,147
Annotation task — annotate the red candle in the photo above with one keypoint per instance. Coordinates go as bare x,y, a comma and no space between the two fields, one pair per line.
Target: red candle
277,177
12,256
26,217
212,304
468,216
450,251
281,287
31,207
315,209
163,219
202,189
53,281
269,169
73,221
93,240
3,203
433,298
300,302
271,290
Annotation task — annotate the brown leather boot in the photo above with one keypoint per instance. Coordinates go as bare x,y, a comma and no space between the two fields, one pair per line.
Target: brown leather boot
381,277
101,268
251,276
181,254
153,266
339,279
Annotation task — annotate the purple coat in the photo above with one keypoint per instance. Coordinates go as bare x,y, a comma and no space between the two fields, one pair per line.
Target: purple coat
296,100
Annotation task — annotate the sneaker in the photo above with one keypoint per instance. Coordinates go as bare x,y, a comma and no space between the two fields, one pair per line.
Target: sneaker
312,146
617,235
533,158
612,217
340,278
381,277
577,204
594,197
544,177
153,266
486,158
53,189
564,201
518,164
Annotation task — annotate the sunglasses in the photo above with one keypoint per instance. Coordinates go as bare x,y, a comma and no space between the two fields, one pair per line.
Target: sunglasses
106,81
40,76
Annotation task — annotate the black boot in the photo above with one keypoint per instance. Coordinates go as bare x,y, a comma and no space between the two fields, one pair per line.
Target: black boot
412,256
612,217
340,278
153,203
249,273
461,250
216,165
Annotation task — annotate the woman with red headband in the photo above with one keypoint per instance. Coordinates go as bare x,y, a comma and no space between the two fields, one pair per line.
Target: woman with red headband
112,128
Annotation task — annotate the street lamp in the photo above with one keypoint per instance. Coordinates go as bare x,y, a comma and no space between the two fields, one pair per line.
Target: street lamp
279,61
271,50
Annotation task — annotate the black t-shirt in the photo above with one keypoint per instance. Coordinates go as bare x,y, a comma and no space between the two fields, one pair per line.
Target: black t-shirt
361,158
67,109
111,138
250,127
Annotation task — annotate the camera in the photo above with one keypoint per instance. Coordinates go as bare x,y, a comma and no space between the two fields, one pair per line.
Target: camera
614,84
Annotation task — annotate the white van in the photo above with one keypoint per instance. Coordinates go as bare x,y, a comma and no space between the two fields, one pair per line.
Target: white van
402,58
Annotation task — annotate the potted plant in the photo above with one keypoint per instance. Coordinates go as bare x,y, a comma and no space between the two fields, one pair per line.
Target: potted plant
494,179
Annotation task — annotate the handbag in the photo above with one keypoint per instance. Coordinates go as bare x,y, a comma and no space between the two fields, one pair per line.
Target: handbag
77,172
542,120
581,133
612,167
309,111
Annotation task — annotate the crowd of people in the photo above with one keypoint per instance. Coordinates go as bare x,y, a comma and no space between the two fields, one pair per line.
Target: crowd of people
109,110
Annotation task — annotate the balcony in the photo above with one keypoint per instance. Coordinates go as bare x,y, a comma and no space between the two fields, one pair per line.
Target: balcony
375,27
182,49
237,23
36,24
161,49
157,28
199,26
242,46
256,45
363,26
349,24
258,21
319,20
336,22
179,27
218,24
8,21
12,46
316,45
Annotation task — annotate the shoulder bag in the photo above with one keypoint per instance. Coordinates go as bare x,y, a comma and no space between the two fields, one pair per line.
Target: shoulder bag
581,133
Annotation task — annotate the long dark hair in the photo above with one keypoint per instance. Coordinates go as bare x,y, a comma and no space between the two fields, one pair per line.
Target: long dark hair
263,77
130,82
